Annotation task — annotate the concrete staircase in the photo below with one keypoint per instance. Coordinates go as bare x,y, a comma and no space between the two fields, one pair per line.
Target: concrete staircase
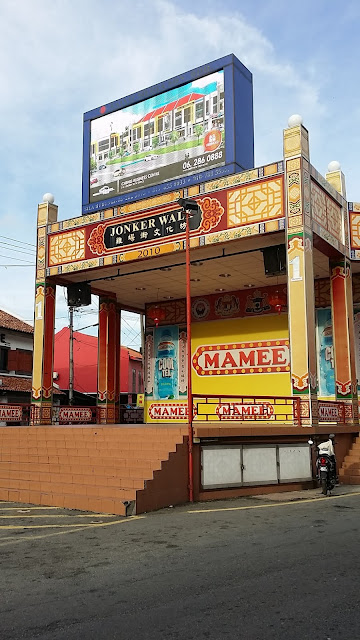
119,470
350,469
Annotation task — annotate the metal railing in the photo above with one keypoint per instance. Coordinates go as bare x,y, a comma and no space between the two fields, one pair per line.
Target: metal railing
290,410
21,414
15,414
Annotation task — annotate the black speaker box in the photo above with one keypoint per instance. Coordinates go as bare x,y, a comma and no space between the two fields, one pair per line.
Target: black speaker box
79,294
274,260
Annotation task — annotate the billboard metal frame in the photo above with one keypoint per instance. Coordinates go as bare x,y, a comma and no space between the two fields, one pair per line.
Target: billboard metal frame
239,138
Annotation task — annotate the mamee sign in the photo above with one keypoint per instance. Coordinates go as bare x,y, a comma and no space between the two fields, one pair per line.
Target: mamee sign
239,411
169,136
10,413
167,411
268,356
75,414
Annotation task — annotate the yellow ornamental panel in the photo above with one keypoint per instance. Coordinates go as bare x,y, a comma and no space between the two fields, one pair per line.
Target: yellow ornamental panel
334,179
334,219
256,203
292,142
297,314
66,247
355,230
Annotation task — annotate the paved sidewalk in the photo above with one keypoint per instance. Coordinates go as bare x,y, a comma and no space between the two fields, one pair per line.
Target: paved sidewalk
308,494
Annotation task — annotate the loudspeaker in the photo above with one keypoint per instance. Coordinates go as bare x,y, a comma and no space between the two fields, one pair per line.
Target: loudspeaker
79,294
274,260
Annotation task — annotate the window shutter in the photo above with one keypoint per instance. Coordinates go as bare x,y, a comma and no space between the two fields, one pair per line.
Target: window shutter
12,360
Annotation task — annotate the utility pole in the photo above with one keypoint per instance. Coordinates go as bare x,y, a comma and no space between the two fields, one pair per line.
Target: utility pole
142,328
71,355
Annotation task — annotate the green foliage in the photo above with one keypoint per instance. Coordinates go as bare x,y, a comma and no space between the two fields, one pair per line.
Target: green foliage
174,136
199,130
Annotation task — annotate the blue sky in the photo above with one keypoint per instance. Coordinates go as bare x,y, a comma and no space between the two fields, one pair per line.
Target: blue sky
62,58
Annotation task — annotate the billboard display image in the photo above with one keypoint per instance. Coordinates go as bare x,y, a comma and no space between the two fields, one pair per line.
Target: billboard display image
194,127
178,132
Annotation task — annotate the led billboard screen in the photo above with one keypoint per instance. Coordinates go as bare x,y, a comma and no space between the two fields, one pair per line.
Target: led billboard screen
138,147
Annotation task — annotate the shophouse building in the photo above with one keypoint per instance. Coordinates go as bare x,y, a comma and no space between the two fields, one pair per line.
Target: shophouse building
250,290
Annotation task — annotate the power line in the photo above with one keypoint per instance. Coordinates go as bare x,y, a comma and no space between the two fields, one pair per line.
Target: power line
11,258
18,247
11,247
18,241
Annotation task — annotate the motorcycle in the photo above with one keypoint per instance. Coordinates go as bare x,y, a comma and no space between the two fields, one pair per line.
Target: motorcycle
325,473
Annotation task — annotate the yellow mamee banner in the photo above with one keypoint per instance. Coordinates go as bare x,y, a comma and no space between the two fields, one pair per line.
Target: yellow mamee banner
243,356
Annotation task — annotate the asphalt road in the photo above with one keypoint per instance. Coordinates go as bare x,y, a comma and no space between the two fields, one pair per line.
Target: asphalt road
245,569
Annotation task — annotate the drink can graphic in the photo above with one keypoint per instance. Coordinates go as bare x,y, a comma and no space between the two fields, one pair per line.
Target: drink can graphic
166,374
327,358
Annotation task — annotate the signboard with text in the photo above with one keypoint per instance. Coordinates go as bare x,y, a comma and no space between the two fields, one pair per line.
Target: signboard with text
163,137
10,413
267,356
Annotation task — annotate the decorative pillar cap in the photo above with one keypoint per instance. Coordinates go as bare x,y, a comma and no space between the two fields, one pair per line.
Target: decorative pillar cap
334,166
48,197
295,120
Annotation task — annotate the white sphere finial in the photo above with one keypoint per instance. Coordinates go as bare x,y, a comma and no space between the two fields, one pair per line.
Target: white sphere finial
48,197
334,166
295,120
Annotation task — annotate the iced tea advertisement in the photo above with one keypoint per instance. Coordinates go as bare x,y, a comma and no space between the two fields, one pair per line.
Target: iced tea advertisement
326,371
174,134
166,367
325,353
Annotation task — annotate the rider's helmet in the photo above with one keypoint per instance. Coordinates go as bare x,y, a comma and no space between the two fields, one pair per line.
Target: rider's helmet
331,436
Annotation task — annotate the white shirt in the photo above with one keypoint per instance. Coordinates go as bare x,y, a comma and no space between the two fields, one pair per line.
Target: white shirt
326,448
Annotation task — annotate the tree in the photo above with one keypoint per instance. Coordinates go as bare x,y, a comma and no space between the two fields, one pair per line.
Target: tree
199,130
93,165
174,136
155,142
136,147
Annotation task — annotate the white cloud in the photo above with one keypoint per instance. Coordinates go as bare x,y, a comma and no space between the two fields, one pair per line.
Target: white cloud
62,58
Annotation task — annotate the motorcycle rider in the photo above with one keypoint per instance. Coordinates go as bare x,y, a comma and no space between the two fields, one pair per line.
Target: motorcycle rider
327,448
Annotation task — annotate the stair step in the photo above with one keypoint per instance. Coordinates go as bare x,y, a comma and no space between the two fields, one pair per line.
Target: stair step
43,458
91,468
350,469
56,434
134,470
64,488
74,501
96,479
109,450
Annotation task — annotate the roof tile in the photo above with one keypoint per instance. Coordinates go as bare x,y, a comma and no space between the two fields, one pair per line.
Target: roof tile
17,383
7,321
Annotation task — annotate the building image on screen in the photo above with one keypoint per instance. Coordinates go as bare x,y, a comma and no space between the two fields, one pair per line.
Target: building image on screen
173,134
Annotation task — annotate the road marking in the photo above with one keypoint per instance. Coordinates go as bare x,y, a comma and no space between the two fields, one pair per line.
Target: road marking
61,515
26,508
4,542
275,504
12,540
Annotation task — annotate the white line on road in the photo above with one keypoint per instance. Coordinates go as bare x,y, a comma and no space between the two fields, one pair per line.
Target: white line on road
275,504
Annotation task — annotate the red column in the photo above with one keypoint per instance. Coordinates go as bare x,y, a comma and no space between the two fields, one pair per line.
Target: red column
106,361
117,363
343,336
